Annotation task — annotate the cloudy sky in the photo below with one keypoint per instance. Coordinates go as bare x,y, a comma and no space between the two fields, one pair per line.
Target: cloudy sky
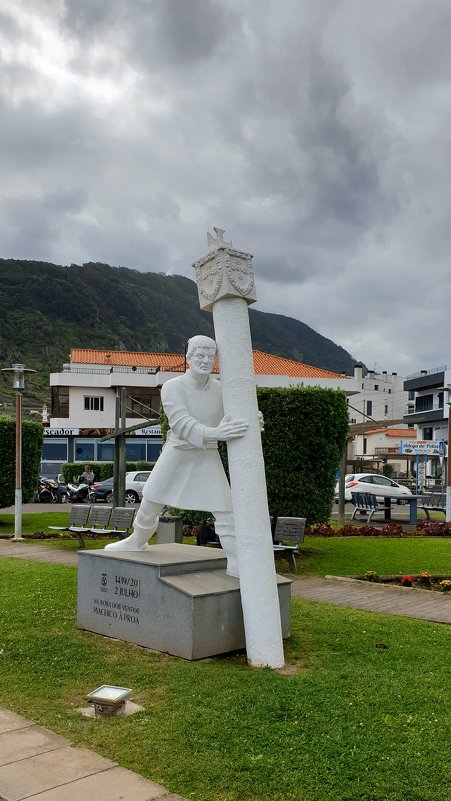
316,132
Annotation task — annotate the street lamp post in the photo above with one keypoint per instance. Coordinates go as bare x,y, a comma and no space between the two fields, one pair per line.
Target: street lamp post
448,464
18,371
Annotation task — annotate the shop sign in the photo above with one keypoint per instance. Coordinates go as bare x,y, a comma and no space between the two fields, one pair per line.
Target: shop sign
424,447
155,431
61,432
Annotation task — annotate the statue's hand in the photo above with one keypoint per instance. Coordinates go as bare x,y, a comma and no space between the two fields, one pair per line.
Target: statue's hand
227,429
231,429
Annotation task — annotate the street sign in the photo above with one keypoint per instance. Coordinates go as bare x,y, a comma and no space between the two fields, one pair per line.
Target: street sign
423,447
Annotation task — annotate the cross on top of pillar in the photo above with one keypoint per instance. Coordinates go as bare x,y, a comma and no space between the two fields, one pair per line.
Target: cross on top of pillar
218,240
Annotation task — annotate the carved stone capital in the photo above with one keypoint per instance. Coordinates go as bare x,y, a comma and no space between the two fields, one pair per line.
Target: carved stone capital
224,273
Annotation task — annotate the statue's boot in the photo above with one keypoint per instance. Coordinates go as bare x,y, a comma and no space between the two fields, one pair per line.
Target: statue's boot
224,528
145,525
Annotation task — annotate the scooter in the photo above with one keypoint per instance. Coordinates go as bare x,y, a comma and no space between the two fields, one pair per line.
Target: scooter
80,493
47,491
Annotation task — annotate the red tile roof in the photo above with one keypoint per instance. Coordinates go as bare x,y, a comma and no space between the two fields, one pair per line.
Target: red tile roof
264,363
394,432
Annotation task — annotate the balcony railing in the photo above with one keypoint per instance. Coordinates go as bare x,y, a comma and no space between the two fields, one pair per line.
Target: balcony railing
422,373
67,368
387,450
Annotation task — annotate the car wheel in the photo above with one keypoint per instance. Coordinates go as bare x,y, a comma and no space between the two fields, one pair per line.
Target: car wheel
109,497
131,496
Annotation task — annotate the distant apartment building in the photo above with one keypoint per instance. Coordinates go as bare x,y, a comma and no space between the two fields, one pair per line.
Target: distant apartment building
428,398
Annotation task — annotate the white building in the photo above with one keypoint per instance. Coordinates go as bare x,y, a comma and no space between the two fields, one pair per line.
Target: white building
84,406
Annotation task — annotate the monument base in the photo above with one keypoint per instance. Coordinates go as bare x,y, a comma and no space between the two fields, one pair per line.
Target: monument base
173,598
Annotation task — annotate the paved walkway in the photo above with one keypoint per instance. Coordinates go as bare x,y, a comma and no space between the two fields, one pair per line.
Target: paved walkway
37,765
41,766
403,601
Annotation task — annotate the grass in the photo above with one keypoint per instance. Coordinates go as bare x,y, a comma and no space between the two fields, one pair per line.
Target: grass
350,556
352,722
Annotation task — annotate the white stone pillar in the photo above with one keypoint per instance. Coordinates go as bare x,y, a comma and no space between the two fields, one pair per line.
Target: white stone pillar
226,286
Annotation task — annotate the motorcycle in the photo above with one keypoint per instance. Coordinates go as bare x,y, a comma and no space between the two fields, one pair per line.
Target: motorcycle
47,491
80,493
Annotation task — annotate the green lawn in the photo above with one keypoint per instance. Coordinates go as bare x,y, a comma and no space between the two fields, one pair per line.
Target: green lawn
353,723
348,556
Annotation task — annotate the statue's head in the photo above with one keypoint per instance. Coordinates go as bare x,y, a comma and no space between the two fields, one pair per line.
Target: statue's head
200,354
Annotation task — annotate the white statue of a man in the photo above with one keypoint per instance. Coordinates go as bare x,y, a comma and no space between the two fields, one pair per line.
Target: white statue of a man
189,472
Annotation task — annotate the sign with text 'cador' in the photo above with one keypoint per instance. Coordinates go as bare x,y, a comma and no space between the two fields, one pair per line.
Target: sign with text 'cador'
423,447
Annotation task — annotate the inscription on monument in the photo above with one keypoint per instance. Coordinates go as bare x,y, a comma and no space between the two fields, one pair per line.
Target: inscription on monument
121,588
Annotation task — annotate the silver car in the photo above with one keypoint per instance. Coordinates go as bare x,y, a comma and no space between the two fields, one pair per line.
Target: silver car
373,483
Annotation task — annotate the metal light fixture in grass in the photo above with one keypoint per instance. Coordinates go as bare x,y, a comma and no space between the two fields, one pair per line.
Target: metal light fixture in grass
108,700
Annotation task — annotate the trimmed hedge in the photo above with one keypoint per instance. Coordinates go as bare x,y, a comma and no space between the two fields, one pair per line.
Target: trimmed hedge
32,437
102,470
303,441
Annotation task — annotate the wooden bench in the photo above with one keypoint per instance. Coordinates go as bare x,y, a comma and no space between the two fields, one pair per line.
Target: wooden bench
288,536
367,503
435,502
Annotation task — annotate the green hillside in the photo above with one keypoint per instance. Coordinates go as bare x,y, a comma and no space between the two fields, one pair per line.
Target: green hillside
46,309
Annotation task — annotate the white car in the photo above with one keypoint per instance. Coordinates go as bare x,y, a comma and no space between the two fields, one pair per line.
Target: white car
373,483
134,483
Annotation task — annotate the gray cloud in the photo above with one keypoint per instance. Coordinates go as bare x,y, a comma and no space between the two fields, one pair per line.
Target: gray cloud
317,134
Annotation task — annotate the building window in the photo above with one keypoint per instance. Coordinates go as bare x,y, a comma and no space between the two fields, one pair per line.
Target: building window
105,451
389,391
386,409
54,450
369,408
411,394
84,450
424,403
94,403
440,400
135,450
365,445
60,402
153,450
376,387
143,402
428,433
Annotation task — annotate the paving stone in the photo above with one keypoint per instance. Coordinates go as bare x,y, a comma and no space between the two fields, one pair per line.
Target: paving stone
21,779
28,742
9,721
115,784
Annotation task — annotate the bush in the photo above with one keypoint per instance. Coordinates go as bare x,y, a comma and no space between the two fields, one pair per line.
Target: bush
303,441
433,528
32,436
102,470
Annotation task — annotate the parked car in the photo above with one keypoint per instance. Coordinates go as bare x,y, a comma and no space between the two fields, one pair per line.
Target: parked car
134,483
373,483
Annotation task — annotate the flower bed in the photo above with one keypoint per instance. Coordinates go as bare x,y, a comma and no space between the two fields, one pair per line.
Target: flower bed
424,528
423,581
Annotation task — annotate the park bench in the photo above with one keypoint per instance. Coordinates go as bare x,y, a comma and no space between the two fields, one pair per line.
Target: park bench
103,521
78,518
365,502
435,502
119,524
288,536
